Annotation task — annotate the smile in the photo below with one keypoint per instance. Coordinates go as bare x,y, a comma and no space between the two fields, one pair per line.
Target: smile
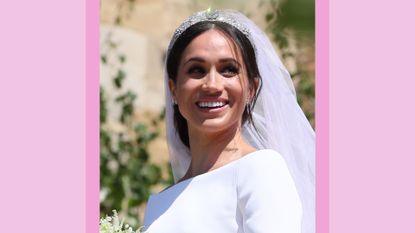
212,106
215,104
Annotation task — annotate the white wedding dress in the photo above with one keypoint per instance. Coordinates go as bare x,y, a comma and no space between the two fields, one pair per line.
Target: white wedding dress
254,194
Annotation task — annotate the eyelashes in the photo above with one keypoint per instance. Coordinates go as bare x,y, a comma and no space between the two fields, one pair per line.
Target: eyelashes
230,70
226,71
196,70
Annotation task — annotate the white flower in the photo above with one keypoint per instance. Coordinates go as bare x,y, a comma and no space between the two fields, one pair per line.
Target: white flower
112,224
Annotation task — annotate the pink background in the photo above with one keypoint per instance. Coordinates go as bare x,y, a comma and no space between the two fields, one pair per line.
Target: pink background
42,120
48,85
372,113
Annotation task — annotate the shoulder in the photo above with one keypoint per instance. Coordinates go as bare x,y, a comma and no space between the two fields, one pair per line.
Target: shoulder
266,194
262,161
264,172
262,168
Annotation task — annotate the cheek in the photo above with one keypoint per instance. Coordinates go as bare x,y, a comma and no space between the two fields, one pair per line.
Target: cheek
238,91
185,89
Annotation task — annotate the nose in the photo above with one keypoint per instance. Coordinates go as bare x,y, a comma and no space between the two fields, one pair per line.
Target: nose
212,81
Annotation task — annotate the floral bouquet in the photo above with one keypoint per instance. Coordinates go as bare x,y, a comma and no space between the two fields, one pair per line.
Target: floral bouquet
112,224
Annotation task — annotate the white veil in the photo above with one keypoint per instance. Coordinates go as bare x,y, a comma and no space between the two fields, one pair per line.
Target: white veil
280,123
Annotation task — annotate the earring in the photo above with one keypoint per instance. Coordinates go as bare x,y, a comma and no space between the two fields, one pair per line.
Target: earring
174,101
248,101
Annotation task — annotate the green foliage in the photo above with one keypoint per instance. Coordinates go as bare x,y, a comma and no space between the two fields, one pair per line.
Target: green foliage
298,15
126,173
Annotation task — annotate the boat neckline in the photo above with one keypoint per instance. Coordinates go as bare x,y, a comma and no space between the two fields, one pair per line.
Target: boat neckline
230,164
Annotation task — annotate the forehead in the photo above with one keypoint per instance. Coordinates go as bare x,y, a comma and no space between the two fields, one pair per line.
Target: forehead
212,44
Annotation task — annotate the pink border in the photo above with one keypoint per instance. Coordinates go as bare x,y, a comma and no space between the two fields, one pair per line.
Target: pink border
92,116
322,116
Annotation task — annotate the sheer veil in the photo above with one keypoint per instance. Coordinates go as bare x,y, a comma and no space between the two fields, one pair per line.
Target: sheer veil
280,123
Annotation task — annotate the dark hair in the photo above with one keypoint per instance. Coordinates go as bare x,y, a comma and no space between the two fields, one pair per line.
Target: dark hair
248,55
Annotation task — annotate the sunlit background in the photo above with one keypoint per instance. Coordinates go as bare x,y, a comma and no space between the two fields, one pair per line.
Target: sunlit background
134,38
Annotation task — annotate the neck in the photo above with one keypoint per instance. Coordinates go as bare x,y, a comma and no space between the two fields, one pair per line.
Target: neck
213,150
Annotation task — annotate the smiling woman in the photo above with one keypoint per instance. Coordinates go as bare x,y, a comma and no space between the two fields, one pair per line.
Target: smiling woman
192,57
242,155
211,84
212,90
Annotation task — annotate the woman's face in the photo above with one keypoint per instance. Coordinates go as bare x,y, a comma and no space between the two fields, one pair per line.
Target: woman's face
211,86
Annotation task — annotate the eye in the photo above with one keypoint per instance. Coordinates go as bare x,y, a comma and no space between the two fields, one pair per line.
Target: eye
230,71
196,71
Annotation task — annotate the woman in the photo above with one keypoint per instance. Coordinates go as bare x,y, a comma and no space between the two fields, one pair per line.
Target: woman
241,149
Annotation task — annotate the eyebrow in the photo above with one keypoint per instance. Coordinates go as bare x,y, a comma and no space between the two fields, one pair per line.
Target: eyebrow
223,60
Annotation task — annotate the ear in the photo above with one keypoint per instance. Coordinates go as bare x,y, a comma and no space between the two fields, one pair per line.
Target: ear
254,88
172,88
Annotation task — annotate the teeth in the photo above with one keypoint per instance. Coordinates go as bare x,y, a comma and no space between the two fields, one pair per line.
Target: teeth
210,104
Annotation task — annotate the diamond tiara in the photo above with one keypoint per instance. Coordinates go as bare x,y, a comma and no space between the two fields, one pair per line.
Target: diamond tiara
210,16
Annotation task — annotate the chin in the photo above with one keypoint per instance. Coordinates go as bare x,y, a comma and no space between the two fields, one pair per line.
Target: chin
216,125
